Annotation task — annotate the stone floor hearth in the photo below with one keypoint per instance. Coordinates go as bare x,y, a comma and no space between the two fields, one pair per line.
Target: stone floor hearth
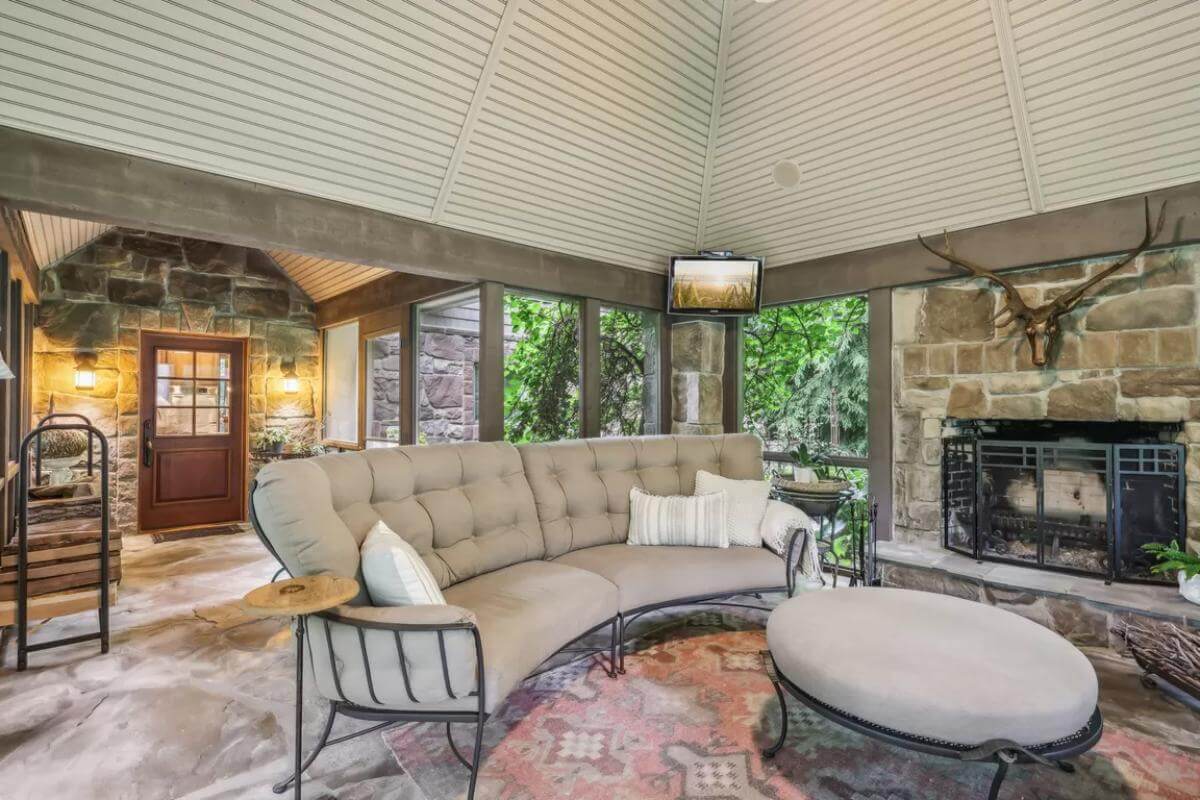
194,701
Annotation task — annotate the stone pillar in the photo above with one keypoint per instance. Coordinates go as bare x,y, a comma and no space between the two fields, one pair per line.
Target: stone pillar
697,368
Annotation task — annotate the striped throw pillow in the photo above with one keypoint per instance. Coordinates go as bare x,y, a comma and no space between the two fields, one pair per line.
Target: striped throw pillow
698,521
394,571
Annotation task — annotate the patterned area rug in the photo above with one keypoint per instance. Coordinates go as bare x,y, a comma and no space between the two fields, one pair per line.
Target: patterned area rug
688,721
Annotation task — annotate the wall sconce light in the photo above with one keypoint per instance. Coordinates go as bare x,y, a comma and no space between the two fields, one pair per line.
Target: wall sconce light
291,381
85,371
6,374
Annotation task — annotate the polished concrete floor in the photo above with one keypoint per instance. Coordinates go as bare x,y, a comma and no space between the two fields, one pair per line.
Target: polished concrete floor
195,698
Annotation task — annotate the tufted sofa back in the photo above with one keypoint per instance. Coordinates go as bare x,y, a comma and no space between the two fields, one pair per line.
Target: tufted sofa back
476,507
466,508
582,486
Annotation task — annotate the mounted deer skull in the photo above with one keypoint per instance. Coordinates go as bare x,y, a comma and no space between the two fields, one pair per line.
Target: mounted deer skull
1040,323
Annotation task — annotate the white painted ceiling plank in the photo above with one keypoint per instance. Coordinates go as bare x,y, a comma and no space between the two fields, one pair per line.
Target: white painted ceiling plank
1016,101
714,118
499,43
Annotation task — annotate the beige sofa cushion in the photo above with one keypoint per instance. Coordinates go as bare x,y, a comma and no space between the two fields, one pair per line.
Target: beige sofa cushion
526,613
651,575
582,487
466,508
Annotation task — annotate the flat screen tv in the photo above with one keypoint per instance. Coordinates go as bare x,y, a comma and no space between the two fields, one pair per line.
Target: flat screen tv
714,284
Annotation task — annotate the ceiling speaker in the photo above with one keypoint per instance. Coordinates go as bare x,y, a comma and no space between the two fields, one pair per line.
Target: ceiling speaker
786,174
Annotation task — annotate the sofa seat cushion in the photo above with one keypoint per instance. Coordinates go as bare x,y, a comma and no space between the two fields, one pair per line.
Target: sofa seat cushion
651,575
527,612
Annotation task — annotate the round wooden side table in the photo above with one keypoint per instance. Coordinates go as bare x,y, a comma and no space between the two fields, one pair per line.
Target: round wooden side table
297,598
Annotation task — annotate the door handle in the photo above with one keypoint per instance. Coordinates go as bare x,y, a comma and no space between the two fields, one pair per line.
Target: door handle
147,445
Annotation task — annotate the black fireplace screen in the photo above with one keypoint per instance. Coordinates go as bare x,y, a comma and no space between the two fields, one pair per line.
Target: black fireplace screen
1068,506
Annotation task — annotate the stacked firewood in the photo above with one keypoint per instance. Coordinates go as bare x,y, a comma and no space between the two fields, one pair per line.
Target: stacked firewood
1165,650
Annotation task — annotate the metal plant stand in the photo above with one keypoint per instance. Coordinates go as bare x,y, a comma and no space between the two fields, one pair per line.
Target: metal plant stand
23,486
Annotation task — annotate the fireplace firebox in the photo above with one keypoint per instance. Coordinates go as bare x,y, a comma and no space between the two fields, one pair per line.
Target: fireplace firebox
1073,497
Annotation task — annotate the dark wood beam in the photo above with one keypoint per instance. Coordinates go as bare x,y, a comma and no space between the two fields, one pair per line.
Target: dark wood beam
589,397
381,295
491,362
879,406
1096,229
55,176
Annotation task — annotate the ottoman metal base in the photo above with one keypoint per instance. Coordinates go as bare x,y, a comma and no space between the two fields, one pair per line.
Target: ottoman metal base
1002,751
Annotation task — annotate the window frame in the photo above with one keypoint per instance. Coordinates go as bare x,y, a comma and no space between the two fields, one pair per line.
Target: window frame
365,337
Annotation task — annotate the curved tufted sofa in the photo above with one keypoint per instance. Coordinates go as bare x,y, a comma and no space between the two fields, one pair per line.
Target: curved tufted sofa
527,544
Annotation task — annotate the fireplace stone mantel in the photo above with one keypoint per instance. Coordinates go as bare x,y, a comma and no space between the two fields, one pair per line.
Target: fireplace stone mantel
1129,352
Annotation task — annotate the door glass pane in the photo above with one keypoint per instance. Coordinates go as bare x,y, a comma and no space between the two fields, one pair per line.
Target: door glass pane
212,393
175,364
383,390
210,421
173,392
212,365
447,365
173,422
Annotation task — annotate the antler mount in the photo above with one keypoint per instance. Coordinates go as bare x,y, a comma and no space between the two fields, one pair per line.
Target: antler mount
1041,323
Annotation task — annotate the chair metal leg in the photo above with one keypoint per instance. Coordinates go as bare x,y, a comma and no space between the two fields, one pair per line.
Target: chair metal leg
783,727
613,669
620,644
476,757
1003,759
301,765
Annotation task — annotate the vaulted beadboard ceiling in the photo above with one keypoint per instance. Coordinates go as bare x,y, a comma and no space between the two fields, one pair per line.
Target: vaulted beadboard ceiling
627,130
52,238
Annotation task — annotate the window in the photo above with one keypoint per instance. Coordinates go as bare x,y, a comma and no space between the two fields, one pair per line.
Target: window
805,376
383,390
447,369
191,393
340,357
629,377
541,368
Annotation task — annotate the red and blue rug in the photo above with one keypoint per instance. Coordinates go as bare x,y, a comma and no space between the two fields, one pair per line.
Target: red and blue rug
688,719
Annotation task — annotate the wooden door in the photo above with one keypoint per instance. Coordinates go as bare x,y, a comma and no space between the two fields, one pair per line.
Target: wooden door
192,453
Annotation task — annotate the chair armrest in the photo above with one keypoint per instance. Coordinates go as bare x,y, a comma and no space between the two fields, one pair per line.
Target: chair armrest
403,618
397,656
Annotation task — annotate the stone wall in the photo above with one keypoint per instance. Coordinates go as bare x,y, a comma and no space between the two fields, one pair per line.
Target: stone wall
446,380
697,371
1127,352
99,298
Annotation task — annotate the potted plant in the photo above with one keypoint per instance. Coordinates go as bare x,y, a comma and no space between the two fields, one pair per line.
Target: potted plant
1174,559
272,440
814,459
60,451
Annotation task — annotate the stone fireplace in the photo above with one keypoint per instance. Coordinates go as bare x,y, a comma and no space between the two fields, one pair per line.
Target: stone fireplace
1127,355
1072,497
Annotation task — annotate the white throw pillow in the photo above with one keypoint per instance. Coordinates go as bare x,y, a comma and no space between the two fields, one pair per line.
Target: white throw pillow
394,571
778,523
698,521
746,501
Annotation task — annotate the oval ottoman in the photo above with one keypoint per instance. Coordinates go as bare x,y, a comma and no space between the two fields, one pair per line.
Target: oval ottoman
937,674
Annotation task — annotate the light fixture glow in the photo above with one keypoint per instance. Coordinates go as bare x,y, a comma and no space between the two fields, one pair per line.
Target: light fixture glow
85,371
291,381
786,174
